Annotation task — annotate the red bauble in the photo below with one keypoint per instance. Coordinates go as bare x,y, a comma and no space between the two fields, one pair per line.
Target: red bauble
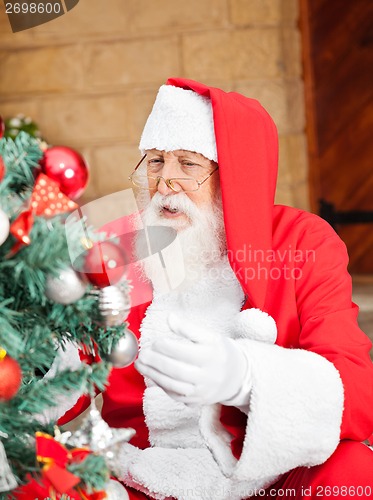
10,378
68,168
2,169
2,128
104,264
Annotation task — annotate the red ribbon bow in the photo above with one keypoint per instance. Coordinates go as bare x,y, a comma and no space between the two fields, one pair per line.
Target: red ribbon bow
47,201
56,480
55,457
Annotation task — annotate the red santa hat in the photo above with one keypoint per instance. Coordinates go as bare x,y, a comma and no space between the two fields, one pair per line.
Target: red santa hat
239,134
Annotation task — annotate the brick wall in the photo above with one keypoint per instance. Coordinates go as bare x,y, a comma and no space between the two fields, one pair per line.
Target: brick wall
90,77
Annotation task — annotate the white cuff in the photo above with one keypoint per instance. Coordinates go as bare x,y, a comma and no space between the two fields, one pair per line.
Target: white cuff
295,410
294,416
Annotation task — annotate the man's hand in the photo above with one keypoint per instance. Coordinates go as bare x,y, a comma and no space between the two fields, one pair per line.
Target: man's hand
199,368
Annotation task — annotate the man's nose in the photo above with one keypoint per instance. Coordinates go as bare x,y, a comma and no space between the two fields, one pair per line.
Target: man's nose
163,187
168,171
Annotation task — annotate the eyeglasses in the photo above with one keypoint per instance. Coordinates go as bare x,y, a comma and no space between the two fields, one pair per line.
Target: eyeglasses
177,184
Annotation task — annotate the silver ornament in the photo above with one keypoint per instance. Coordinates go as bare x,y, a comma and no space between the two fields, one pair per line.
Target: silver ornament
116,491
114,304
65,288
125,352
7,480
98,436
4,226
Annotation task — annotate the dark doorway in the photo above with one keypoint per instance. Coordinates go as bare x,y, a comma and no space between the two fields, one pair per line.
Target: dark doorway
337,38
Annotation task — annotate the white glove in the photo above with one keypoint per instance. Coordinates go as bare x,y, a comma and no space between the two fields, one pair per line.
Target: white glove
203,369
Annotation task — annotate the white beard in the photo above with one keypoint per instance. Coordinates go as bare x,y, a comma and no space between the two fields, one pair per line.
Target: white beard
198,244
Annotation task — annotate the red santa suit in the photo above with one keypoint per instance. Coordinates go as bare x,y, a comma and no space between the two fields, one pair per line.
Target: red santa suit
312,385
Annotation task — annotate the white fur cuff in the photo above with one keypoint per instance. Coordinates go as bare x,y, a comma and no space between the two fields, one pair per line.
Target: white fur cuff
295,411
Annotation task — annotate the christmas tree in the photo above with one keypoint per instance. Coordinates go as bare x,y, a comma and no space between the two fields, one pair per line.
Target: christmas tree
47,311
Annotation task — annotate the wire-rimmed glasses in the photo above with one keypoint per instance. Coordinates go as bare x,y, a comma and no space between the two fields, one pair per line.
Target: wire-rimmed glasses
177,184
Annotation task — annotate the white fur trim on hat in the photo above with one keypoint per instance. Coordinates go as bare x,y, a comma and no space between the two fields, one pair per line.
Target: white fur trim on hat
180,119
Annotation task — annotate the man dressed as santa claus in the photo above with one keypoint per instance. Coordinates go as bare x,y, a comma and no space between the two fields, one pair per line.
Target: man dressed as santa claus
253,377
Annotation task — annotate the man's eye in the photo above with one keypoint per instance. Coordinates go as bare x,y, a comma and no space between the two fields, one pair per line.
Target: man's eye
155,163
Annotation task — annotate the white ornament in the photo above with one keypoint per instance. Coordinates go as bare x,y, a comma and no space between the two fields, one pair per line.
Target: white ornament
116,491
7,480
4,226
125,351
114,304
96,434
65,288
16,121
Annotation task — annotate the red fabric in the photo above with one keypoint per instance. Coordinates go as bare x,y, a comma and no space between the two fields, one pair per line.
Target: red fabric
40,489
136,495
290,264
234,422
85,400
81,405
348,473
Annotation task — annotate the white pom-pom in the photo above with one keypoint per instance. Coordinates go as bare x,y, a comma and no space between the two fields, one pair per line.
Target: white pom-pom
255,324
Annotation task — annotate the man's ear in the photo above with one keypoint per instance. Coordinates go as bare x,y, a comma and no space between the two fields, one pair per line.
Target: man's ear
45,11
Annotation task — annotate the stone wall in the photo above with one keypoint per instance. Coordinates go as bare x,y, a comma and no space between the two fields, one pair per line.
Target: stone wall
90,77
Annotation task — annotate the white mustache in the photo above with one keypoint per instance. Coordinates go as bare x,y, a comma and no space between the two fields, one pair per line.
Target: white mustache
179,201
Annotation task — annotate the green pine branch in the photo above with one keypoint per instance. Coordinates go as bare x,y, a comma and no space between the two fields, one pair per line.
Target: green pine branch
32,327
92,471
21,159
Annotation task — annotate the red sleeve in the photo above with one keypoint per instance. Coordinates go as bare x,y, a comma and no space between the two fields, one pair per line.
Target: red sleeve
81,405
328,327
234,422
136,495
328,319
84,401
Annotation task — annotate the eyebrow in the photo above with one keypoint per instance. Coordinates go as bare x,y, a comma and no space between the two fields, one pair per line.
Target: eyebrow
157,153
179,156
190,155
